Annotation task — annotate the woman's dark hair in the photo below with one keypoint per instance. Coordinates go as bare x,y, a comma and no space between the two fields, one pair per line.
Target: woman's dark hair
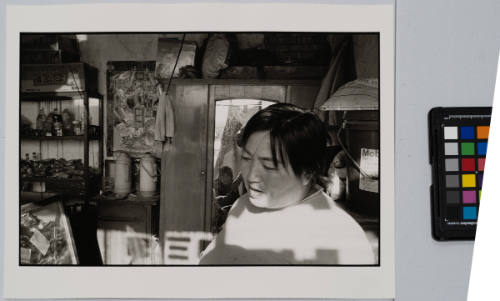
297,137
226,170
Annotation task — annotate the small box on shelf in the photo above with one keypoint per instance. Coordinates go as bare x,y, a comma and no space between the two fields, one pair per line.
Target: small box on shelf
69,77
49,49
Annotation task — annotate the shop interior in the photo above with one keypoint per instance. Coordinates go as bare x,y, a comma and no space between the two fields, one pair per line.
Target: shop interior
129,148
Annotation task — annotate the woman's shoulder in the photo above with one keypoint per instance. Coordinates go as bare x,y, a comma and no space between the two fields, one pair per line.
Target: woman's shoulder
343,219
323,203
240,204
341,232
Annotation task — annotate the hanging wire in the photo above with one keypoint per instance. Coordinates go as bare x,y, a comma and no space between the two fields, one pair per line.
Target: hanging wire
76,83
175,65
348,154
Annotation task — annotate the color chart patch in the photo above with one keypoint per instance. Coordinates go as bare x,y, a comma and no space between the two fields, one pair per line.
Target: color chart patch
464,168
458,147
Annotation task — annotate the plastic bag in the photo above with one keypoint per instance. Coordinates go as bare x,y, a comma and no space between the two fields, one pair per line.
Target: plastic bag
216,56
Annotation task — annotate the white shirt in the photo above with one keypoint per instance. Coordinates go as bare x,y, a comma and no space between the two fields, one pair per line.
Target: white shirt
313,231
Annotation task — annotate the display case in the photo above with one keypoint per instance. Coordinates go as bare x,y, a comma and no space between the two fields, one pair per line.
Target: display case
61,133
45,235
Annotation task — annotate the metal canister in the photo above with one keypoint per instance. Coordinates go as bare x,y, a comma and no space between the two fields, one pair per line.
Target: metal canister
148,175
123,173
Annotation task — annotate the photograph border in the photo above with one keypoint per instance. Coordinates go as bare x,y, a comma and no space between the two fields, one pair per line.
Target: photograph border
150,281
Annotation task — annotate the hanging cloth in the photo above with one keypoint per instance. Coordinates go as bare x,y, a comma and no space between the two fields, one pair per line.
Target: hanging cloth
164,126
338,74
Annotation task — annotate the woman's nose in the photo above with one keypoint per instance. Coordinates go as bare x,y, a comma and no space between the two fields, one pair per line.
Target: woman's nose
253,173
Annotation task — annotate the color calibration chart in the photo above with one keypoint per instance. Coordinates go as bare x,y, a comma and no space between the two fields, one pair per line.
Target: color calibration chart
458,145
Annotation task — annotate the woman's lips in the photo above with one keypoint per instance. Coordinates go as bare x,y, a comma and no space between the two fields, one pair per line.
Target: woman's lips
255,190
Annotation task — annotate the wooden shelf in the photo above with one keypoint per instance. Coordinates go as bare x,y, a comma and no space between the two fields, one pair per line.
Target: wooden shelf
43,96
131,199
52,179
243,82
55,179
30,196
82,88
79,137
67,186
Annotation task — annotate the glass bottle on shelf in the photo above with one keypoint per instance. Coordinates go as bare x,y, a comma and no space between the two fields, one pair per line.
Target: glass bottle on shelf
77,127
26,170
49,121
40,120
67,122
33,162
57,118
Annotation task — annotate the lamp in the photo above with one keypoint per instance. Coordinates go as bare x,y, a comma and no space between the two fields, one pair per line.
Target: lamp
358,95
359,102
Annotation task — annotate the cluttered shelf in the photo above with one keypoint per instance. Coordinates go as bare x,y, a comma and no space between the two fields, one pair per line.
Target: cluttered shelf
52,168
39,188
57,175
59,127
54,180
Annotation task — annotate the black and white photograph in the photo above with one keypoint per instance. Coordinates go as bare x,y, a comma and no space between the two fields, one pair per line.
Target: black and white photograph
185,153
249,150
218,148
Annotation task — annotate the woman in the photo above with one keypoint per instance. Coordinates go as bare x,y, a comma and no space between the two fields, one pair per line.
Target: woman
285,218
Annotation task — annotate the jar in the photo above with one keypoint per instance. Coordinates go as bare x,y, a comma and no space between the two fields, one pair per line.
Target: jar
58,128
77,127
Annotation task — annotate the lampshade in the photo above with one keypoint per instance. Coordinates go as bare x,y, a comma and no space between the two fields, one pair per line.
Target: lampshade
358,95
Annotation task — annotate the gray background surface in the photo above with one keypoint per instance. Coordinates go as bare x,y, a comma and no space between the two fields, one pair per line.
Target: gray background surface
446,55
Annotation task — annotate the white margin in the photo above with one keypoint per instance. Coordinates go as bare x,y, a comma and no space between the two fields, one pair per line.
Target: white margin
200,282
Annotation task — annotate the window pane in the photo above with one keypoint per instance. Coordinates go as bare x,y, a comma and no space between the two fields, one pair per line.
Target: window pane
230,118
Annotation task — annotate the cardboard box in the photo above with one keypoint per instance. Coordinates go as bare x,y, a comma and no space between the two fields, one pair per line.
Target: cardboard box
49,49
168,49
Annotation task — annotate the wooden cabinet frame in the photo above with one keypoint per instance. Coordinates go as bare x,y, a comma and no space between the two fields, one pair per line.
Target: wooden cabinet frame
194,100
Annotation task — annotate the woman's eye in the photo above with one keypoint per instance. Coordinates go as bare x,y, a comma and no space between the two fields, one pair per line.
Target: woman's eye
245,158
269,167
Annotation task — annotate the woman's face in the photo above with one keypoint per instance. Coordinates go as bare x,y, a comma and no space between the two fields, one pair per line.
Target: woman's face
269,186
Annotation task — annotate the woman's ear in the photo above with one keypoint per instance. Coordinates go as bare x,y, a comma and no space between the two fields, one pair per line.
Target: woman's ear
306,179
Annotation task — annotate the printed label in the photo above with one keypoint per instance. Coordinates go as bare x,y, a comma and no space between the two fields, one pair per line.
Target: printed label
39,241
369,166
25,255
